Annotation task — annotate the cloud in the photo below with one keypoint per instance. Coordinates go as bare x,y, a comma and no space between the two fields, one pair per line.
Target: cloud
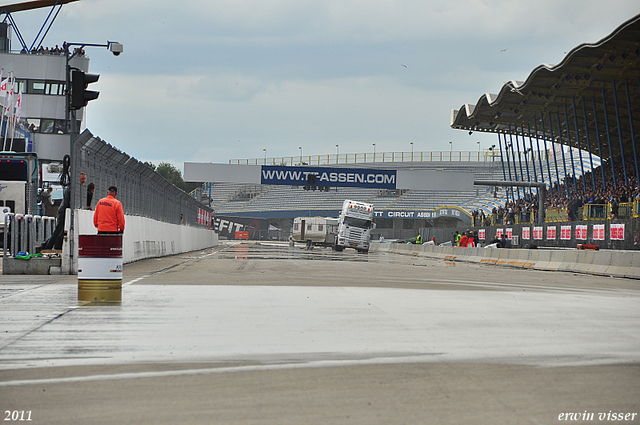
198,76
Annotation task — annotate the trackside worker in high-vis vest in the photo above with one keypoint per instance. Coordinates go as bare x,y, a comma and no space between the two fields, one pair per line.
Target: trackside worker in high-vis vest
109,215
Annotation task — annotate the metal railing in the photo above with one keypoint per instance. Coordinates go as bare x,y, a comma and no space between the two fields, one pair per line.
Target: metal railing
141,190
556,215
361,158
525,217
23,233
594,212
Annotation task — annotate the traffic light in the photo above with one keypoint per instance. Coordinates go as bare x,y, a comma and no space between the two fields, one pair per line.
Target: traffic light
80,96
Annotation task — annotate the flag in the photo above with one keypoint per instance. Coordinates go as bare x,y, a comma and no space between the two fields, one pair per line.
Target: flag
19,106
7,108
3,87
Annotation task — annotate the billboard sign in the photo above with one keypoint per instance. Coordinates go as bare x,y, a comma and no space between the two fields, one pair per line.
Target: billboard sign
328,177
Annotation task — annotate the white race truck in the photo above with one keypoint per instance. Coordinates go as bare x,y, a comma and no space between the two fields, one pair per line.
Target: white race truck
352,228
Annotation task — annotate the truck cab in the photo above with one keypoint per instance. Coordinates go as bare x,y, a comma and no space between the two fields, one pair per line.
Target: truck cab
355,224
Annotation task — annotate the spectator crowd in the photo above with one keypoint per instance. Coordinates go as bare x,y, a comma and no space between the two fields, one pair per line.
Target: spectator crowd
566,194
55,50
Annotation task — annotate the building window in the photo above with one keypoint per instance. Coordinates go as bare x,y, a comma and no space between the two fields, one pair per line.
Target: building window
46,126
35,86
54,88
53,127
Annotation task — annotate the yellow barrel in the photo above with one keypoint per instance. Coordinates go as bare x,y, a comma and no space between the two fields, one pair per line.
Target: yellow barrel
100,291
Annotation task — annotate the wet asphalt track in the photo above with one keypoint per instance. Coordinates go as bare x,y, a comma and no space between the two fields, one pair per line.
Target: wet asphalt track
238,310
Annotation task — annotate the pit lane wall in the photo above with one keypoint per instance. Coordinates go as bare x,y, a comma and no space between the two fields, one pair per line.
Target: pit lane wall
625,264
143,238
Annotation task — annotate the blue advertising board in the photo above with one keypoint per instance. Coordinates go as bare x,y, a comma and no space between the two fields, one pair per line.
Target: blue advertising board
329,177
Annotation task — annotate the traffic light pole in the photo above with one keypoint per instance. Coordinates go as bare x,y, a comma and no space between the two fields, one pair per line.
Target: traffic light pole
70,117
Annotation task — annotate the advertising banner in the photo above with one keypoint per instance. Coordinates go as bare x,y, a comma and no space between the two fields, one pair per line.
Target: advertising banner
617,232
581,232
551,232
328,177
598,232
417,214
526,233
227,226
537,233
565,233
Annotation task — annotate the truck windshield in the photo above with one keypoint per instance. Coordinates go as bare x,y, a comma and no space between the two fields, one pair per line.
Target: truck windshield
357,222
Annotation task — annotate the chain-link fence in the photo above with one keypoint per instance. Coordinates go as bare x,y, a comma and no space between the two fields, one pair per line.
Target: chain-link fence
141,190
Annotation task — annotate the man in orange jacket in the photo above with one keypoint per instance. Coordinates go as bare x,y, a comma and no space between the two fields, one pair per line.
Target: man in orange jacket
109,215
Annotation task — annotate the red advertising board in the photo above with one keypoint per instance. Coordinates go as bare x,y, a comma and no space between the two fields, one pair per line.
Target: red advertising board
537,233
551,232
598,232
581,232
617,232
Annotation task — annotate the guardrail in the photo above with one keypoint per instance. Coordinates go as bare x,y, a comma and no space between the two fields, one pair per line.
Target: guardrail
359,158
623,264
23,233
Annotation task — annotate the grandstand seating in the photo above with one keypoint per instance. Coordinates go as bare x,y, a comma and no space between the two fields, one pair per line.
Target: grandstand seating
230,198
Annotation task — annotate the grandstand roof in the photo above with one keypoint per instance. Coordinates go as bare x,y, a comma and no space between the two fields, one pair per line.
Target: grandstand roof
35,4
603,77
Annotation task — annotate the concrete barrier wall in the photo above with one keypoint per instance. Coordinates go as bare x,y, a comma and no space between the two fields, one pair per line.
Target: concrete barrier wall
625,264
144,238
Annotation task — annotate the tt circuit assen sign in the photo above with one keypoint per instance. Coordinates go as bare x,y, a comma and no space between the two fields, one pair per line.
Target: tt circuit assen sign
331,177
424,214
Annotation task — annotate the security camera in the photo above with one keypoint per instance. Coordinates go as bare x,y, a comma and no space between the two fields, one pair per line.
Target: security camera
115,48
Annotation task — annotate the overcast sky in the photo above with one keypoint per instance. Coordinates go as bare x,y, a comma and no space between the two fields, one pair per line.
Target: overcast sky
211,80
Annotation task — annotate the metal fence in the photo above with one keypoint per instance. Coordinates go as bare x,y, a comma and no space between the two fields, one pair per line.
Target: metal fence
142,191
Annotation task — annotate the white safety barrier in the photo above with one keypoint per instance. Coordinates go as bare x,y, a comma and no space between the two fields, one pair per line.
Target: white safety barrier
144,238
624,264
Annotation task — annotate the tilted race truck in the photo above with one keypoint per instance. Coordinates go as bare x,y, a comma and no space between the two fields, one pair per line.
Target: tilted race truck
352,228
355,224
